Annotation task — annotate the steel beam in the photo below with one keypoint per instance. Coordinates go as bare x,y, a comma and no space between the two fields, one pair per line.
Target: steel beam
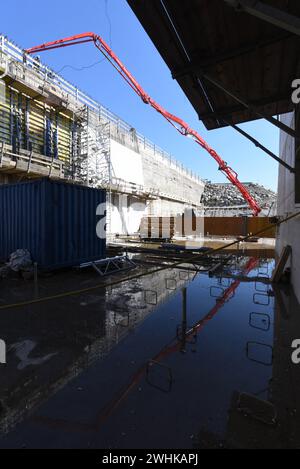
262,147
254,110
228,111
268,13
196,65
248,136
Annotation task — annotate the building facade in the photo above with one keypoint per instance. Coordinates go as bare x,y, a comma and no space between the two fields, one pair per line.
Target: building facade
49,128
289,201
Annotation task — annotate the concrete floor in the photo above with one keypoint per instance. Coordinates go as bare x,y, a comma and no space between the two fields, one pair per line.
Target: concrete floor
175,359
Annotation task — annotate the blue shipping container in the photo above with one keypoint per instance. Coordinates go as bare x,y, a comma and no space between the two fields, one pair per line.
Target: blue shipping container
55,221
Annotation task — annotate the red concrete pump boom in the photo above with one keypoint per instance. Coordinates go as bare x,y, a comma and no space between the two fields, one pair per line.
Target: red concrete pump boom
181,126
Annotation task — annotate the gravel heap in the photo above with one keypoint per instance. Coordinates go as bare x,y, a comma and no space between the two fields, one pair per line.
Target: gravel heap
227,195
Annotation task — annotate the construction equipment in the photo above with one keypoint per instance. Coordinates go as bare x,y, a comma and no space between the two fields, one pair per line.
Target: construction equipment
181,126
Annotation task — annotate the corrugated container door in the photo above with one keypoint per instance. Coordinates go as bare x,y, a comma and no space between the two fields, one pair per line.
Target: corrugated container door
21,219
71,236
55,221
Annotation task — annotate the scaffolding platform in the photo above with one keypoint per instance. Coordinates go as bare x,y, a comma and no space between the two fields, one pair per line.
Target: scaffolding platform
29,163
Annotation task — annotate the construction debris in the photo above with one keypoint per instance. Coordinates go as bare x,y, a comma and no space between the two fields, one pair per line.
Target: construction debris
226,196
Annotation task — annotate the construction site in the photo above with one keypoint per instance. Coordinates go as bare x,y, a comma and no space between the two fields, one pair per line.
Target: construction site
145,304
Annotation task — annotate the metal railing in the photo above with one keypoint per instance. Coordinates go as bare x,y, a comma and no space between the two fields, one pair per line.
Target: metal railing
12,52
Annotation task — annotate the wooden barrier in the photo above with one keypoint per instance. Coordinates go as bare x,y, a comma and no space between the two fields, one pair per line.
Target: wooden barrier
156,227
238,226
224,226
258,223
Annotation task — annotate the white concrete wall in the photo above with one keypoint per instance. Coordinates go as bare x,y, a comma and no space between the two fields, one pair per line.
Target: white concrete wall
126,164
126,213
289,233
156,173
169,180
176,190
166,208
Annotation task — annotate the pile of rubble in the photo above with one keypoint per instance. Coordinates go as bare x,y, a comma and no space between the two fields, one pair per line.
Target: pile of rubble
226,195
20,263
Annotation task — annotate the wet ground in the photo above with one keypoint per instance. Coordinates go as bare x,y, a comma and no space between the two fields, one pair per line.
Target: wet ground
175,359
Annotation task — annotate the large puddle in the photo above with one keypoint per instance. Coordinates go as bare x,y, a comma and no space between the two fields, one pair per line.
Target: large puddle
175,359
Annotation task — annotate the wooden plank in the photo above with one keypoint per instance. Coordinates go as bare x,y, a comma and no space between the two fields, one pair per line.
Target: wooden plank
278,271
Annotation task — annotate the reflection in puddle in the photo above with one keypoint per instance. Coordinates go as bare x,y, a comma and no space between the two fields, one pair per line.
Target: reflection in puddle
23,350
172,359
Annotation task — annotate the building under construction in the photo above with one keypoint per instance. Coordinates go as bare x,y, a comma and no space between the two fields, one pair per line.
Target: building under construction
49,128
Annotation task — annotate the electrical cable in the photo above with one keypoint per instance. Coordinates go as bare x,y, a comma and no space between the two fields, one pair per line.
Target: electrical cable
109,22
79,69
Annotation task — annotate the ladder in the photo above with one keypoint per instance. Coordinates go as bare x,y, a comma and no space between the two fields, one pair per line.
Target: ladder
103,168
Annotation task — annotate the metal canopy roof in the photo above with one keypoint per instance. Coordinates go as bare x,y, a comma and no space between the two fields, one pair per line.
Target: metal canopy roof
207,40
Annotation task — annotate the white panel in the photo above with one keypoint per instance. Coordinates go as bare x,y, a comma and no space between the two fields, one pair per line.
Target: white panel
127,213
136,211
126,164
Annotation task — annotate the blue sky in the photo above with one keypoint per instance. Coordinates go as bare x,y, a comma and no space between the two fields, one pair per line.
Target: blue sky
31,22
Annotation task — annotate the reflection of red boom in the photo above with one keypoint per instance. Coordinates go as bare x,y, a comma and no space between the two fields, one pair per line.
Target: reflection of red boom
227,295
178,123
165,352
